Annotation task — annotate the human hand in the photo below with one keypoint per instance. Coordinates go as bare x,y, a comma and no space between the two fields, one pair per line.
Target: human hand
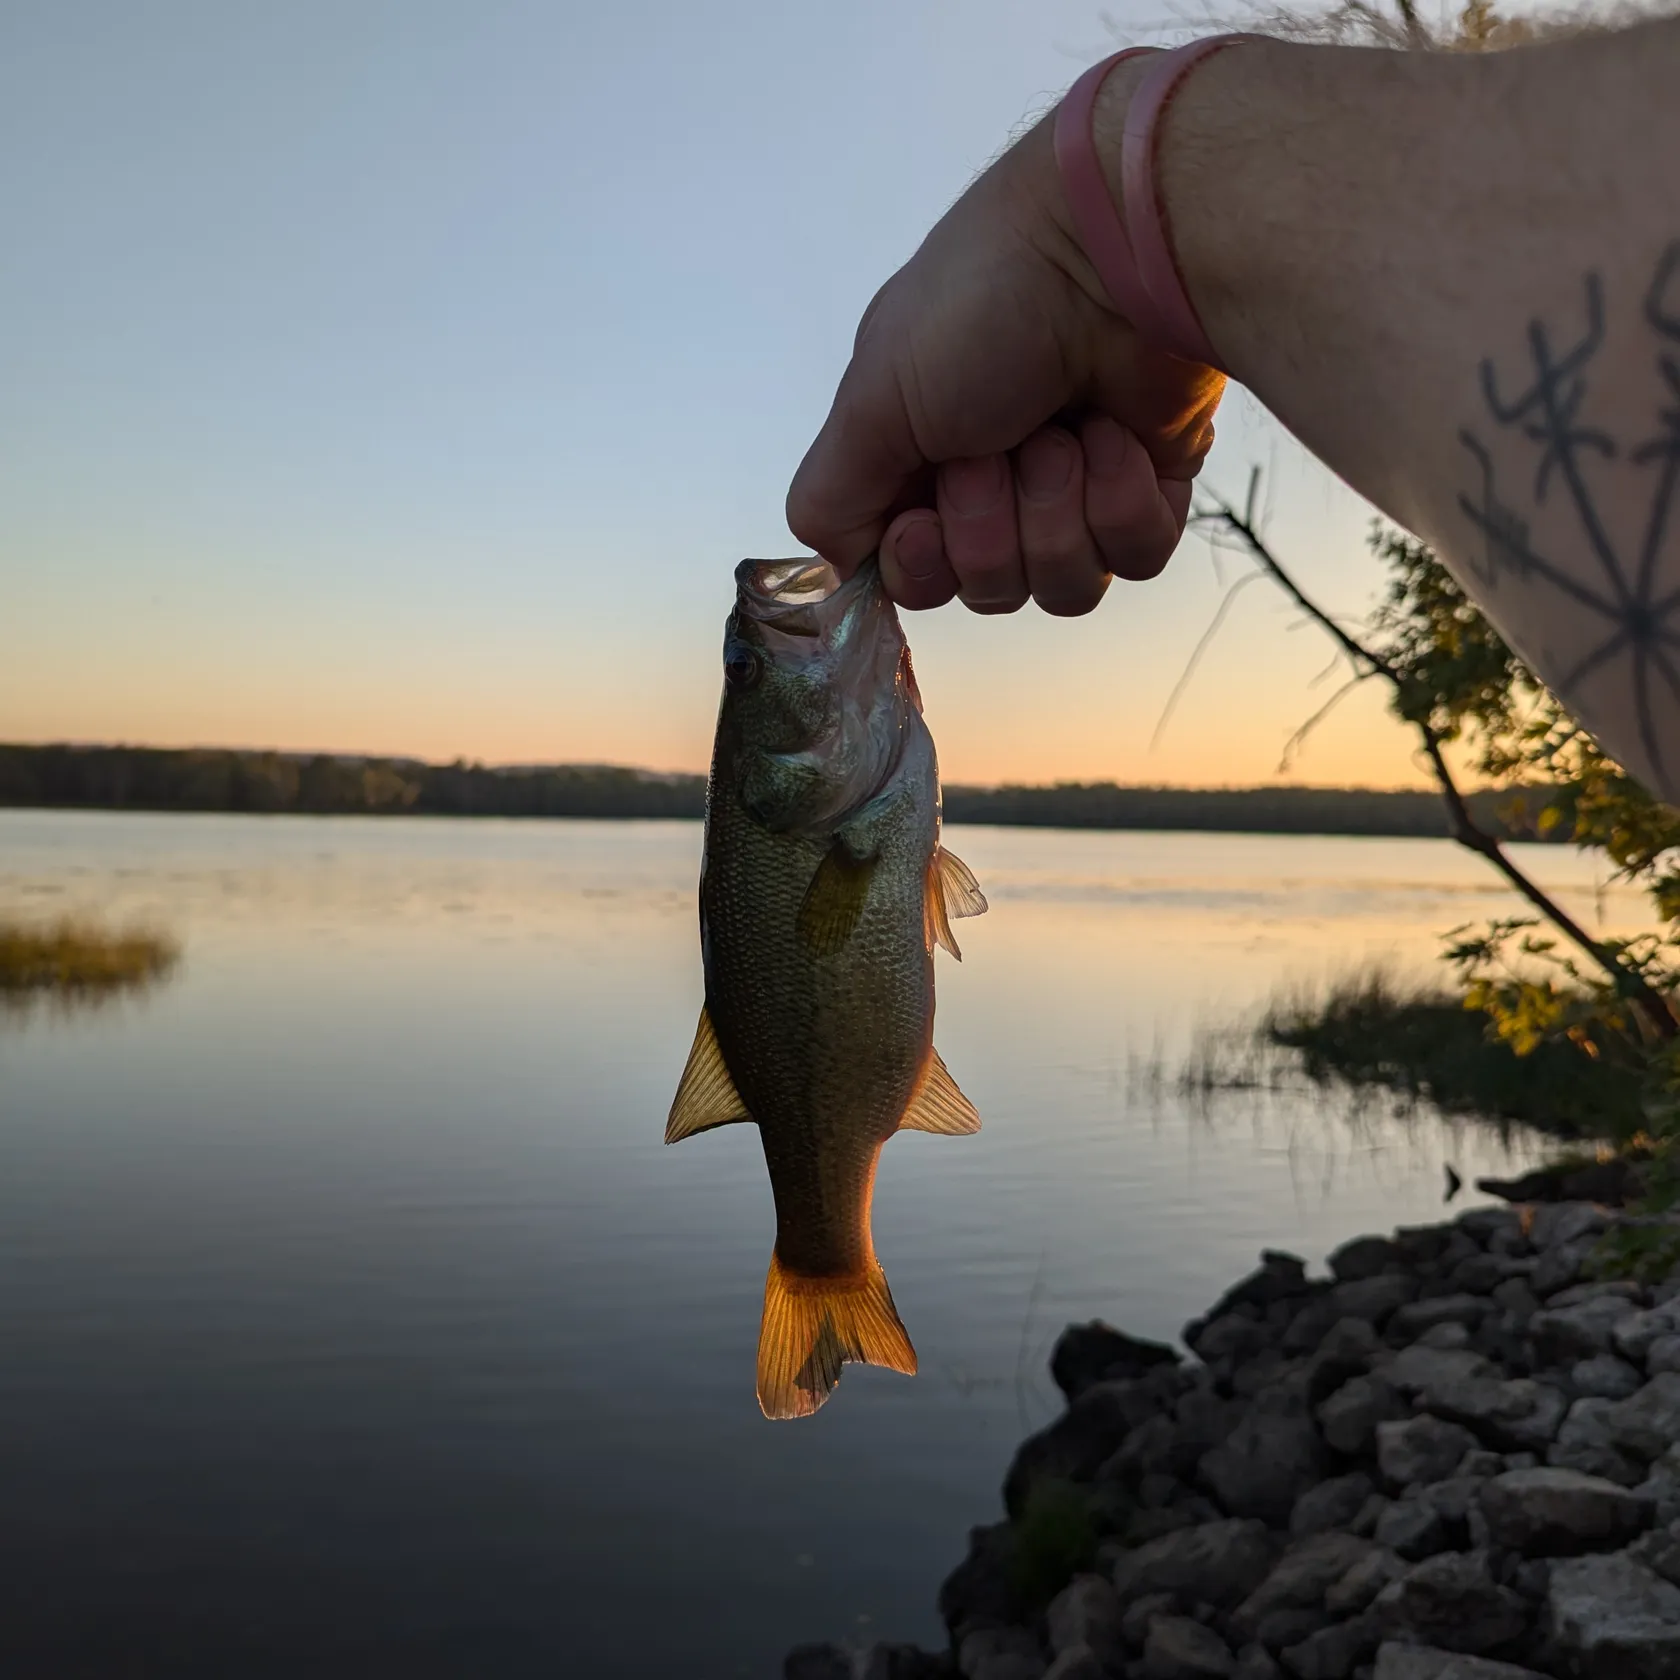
1001,432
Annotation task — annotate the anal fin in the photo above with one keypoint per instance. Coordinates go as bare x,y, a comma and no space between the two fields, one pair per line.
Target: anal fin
706,1094
938,1105
813,1326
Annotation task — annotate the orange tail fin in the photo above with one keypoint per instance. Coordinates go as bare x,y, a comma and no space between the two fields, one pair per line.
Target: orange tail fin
812,1326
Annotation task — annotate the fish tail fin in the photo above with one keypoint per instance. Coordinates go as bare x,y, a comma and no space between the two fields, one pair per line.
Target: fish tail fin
814,1325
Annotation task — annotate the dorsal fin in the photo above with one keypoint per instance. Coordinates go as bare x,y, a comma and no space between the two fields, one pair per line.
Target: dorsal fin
952,892
706,1095
938,1105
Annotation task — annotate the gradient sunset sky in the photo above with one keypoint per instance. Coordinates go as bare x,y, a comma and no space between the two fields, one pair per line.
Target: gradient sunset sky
407,377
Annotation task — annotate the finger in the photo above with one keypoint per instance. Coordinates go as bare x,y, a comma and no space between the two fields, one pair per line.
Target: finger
913,564
976,497
1132,522
856,472
1064,569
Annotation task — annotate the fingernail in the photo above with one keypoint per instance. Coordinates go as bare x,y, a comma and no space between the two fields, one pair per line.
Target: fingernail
1046,466
1107,444
919,546
974,484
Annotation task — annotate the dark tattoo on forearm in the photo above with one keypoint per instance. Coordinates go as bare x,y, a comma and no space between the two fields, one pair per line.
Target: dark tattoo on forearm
1640,623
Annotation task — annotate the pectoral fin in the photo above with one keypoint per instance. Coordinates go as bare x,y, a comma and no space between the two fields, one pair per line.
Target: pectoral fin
939,1106
706,1095
834,901
952,892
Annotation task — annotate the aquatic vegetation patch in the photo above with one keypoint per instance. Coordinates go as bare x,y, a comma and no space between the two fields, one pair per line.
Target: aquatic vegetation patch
75,961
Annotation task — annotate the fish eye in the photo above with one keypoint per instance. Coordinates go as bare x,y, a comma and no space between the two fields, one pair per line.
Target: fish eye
742,667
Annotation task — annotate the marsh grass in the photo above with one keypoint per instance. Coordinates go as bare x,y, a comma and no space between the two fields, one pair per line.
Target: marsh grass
1369,1029
74,963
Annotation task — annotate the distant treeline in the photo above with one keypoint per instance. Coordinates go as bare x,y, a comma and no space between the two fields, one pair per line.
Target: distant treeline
153,779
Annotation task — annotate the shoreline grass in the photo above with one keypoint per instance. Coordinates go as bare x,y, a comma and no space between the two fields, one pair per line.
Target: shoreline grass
76,961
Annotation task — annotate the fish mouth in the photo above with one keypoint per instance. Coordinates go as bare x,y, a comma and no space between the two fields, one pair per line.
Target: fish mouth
799,596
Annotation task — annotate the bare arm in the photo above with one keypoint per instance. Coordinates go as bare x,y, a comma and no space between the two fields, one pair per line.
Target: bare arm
1456,279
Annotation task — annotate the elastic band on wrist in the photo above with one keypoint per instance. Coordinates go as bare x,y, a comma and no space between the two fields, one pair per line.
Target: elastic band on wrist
1096,217
1177,326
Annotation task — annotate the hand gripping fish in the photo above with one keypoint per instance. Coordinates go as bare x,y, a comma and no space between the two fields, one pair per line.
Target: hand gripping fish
823,891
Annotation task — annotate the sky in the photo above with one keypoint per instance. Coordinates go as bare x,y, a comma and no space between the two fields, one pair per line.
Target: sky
406,377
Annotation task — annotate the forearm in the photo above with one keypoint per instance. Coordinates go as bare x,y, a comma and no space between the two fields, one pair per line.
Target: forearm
1445,274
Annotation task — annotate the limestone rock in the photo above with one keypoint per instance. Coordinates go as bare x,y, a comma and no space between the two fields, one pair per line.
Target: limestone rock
1420,1449
1613,1619
1451,1601
1418,1662
1648,1423
1218,1563
1181,1649
1557,1513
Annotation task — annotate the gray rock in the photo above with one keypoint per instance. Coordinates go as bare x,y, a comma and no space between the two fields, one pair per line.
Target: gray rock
1357,1590
1268,1461
1333,1652
1566,1222
1370,1514
1411,1528
1300,1579
1281,1277
1347,1350
1561,1266
1591,1289
1557,1513
1659,1551
1230,1339
1331,1505
889,1661
817,1662
1219,1563
1663,1355
1519,1415
1255,1662
1515,1298
982,1589
1281,1628
1648,1423
1420,1316
1203,1419
1086,1612
1605,1377
1481,1274
1004,1653
1134,1625
1417,1662
1181,1649
1483,1224
1364,1257
1452,1336
1146,1450
1563,1335
1350,1416
1613,1619
1451,1601
1078,1662
1635,1334
1075,1446
1421,1245
1374,1299
1455,1497
1420,1449
1420,1371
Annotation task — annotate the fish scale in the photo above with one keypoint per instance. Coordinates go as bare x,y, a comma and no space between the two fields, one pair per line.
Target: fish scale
823,890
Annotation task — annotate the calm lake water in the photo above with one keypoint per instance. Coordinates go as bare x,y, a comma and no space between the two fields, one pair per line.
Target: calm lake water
355,1319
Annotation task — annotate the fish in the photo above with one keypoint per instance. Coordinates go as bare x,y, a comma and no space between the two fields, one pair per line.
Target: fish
824,890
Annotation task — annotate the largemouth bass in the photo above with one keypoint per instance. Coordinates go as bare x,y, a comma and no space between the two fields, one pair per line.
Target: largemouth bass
823,891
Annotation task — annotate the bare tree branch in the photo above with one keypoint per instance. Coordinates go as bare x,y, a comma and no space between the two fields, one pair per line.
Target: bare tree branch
1649,1004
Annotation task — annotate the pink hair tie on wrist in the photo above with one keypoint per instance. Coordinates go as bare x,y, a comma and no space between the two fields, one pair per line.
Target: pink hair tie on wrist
1177,325
1096,219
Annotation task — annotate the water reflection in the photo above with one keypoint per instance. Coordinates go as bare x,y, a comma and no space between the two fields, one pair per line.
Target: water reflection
356,1316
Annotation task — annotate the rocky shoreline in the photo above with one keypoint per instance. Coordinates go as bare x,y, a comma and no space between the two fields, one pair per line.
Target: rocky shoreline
1457,1457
